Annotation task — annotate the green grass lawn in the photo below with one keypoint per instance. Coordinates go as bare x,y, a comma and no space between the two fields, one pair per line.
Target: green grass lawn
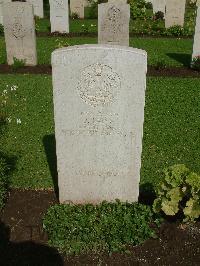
171,129
173,52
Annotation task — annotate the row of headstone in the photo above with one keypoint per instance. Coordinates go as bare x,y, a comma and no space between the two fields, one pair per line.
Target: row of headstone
173,10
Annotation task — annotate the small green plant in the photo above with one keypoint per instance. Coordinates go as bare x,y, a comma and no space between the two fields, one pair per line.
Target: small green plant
17,63
74,16
175,30
160,64
196,63
159,15
1,30
179,191
106,227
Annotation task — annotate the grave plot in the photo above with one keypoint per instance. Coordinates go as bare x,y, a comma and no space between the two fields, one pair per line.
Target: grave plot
116,127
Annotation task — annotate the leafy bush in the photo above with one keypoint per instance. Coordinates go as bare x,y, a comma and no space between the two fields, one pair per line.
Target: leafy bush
74,16
175,30
93,10
105,227
138,9
159,15
179,191
1,30
17,63
196,63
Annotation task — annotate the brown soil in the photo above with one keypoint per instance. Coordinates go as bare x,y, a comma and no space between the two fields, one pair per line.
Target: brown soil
183,72
23,242
95,34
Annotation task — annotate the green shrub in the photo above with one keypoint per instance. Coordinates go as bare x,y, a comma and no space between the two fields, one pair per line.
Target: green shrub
17,63
179,191
175,30
138,9
74,15
106,227
1,30
196,63
159,15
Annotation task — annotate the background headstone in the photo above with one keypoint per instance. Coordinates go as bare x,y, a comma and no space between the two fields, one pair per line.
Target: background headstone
159,5
1,9
37,7
77,6
113,23
99,98
19,28
175,13
59,16
196,44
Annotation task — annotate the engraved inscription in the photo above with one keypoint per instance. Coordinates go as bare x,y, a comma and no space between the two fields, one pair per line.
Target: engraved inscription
98,85
113,20
59,4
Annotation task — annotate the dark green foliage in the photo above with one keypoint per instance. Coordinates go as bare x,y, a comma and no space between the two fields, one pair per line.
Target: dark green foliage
196,63
93,10
18,63
3,187
175,30
106,227
1,30
179,191
159,15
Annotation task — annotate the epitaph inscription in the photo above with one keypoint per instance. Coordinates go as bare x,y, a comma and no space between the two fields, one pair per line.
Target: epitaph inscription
59,16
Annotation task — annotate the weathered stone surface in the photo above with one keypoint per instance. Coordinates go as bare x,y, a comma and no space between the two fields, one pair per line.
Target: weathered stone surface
113,23
175,12
99,97
159,5
77,6
19,28
37,7
59,16
196,44
1,9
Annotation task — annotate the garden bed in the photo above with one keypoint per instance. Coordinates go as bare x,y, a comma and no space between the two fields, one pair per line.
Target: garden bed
21,224
152,71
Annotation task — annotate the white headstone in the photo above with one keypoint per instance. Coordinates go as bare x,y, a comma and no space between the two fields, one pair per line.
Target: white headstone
99,98
37,7
77,7
1,9
59,16
196,44
19,28
175,13
159,5
113,23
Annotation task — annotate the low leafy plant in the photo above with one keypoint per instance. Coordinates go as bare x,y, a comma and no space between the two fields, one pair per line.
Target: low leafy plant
175,30
160,64
17,63
1,30
106,227
179,191
159,15
74,16
196,63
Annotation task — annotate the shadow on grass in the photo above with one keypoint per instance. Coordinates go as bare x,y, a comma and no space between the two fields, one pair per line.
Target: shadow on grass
184,59
49,143
26,253
147,194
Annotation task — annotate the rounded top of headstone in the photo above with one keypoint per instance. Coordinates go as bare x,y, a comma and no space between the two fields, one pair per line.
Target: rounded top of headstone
100,47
